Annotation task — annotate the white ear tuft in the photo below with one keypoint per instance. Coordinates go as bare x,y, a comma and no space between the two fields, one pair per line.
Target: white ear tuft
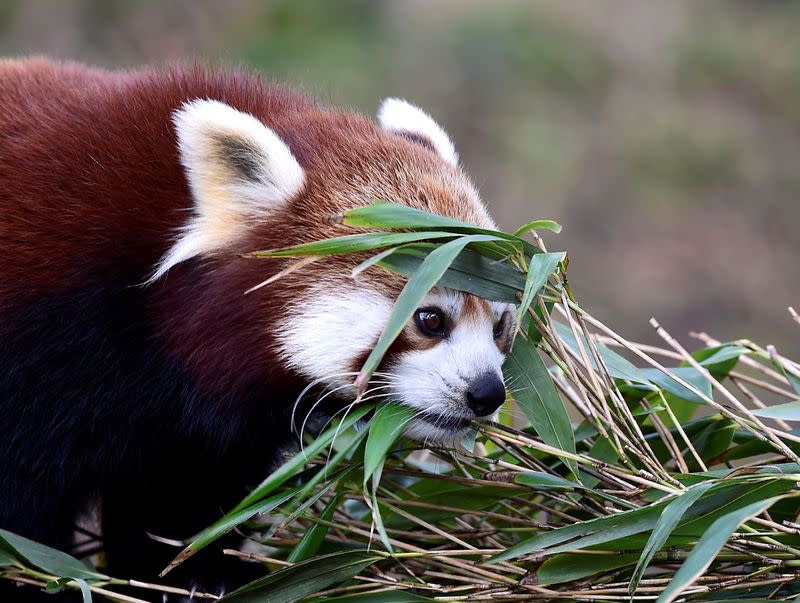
397,115
238,170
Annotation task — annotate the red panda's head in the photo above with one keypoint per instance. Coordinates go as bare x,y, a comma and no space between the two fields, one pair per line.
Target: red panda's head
271,181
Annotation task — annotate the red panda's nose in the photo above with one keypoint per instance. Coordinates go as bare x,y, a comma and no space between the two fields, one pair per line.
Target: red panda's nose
486,394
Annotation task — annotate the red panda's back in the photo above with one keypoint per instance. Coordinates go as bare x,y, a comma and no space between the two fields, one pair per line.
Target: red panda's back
89,170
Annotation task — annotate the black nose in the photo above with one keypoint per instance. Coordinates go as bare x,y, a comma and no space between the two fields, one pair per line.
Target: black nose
486,394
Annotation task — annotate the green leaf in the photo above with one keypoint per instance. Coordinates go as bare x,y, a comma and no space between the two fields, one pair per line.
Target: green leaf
255,502
538,398
551,225
229,521
331,463
396,216
315,535
722,498
791,377
786,412
278,477
351,244
540,268
417,287
545,481
720,361
6,558
713,441
667,522
470,271
45,558
376,259
85,592
385,428
708,546
301,580
336,479
437,493
602,450
390,596
618,366
746,492
377,518
670,385
574,566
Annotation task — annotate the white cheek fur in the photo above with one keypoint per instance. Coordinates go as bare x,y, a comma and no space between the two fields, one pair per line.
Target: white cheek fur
326,335
331,329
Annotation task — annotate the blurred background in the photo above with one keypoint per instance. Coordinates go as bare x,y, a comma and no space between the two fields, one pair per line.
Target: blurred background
664,136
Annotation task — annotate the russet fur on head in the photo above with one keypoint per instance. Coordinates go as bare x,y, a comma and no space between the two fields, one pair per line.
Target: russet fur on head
249,182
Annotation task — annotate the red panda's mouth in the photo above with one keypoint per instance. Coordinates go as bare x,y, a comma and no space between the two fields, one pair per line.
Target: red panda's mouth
445,422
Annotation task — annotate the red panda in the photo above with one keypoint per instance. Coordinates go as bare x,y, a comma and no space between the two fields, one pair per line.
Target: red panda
133,369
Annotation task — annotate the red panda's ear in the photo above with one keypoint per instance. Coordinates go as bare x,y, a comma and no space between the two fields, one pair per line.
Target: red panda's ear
396,115
238,171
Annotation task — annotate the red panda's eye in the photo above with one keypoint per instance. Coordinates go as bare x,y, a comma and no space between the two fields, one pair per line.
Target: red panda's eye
430,322
500,326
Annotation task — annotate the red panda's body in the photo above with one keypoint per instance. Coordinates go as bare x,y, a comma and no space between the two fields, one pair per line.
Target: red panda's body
135,371
99,376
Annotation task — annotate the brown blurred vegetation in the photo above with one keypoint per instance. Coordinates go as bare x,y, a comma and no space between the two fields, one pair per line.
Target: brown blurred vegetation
664,136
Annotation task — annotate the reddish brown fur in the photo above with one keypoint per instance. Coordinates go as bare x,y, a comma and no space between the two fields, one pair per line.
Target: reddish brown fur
142,394
92,179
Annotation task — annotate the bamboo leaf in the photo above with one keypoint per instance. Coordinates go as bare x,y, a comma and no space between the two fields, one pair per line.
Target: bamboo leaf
387,596
278,477
377,518
787,412
671,386
722,498
255,502
618,366
574,566
538,398
788,373
229,521
385,428
545,481
7,559
396,216
550,225
351,244
470,272
708,546
667,522
301,580
540,268
46,558
315,535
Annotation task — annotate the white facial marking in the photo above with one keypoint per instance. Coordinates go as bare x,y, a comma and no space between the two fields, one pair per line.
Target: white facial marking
238,170
397,115
327,332
435,380
324,336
